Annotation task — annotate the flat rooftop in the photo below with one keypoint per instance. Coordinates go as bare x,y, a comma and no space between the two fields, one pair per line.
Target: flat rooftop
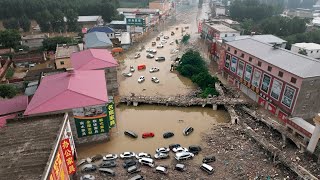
221,28
65,51
26,145
307,46
297,64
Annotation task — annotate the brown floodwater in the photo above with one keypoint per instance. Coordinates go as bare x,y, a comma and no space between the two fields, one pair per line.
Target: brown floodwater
156,119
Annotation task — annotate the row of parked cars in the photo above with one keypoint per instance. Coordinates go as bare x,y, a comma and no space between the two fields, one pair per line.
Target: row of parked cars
187,131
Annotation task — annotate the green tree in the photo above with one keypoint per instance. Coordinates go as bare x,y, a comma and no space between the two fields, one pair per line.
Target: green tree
8,91
44,19
119,17
58,24
50,44
9,73
10,38
209,90
203,79
25,23
72,20
247,25
185,38
303,52
11,23
107,11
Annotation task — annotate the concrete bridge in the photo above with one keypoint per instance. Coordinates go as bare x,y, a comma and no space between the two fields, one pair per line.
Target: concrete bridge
182,101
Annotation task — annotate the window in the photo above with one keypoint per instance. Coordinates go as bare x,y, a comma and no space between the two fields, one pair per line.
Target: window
61,62
242,55
250,59
259,63
235,51
280,74
293,80
269,68
311,52
228,49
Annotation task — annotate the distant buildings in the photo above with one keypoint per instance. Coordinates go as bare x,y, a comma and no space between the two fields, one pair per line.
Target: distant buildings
97,40
33,41
105,29
211,31
312,49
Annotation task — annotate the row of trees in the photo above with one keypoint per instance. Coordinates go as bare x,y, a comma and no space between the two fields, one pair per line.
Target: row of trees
10,38
193,67
50,14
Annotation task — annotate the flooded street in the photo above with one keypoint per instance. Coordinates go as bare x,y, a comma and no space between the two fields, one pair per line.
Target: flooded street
152,118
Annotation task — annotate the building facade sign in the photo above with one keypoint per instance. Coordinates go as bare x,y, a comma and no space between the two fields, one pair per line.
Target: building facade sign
68,156
240,69
248,72
256,78
59,170
111,114
276,89
288,96
227,64
265,83
136,22
233,67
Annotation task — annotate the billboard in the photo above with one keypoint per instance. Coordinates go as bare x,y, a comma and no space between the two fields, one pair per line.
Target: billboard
68,156
233,67
276,89
247,74
288,96
59,170
256,78
265,83
111,114
240,69
136,22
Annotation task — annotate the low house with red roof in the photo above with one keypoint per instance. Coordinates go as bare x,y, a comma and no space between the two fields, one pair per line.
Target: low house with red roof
10,108
67,91
98,59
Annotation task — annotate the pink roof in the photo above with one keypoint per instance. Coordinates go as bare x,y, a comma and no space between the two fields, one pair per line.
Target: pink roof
3,119
69,90
91,59
16,104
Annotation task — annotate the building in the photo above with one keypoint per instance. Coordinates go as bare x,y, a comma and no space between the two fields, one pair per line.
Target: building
28,59
33,41
89,21
105,29
10,108
37,148
230,23
125,39
63,53
163,5
284,82
312,49
300,12
118,26
266,38
220,10
96,59
97,40
212,31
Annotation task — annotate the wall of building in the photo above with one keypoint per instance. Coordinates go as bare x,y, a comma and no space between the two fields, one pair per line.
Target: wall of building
32,43
110,35
112,81
220,11
228,34
63,63
308,98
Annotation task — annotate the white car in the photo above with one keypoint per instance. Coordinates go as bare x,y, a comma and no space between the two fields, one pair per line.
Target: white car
173,51
127,74
180,149
141,79
143,155
162,150
126,155
160,46
150,55
161,34
171,43
154,69
165,37
137,55
163,41
132,69
147,161
153,51
161,170
161,156
155,80
183,156
110,157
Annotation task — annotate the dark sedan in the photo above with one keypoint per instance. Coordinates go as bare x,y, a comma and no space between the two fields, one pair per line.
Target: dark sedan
168,135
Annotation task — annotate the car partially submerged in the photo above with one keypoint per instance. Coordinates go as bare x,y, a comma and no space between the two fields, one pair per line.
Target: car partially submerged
160,46
187,131
141,79
180,149
161,156
143,155
128,163
87,177
127,74
110,157
137,55
147,161
147,134
154,69
168,135
160,58
180,167
130,134
162,169
132,69
162,150
171,146
126,155
183,156
155,80
108,164
150,55
89,168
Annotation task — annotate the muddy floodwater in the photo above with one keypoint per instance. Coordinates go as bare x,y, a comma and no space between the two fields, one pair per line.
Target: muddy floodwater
156,119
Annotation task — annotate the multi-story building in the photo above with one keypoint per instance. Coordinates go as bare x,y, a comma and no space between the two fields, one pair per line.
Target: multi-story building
212,31
285,83
312,49
63,53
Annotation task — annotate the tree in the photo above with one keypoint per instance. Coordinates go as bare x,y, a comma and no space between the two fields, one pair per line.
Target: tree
72,20
247,26
11,23
25,23
8,91
10,38
50,44
118,17
44,19
58,24
107,11
185,38
203,79
303,52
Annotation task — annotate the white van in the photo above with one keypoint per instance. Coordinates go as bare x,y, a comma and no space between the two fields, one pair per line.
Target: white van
147,161
207,168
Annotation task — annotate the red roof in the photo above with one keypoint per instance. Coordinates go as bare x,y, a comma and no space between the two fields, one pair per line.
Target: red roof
3,119
69,90
92,59
16,104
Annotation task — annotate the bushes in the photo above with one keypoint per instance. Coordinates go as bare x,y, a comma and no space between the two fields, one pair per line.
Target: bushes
185,38
193,67
8,91
9,73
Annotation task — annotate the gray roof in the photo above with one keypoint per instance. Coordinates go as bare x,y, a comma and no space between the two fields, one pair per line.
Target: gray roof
266,38
97,40
289,61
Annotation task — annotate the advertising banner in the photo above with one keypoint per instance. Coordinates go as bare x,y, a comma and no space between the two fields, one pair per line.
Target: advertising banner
265,83
68,157
240,69
247,75
111,115
288,96
256,78
234,61
59,170
136,22
227,64
276,89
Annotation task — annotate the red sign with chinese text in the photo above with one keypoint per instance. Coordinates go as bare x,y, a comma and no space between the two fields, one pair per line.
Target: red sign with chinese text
68,156
282,116
272,108
59,170
261,101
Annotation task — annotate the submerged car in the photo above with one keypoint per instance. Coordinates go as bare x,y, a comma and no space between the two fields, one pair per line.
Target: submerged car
162,170
209,159
132,69
154,69
147,161
183,156
150,55
162,150
89,168
180,149
110,157
87,177
160,46
171,146
163,41
155,80
171,43
207,168
168,135
151,51
126,155
143,155
161,58
141,79
127,74
130,134
166,37
137,55
147,134
161,156
153,43
194,149
187,131
133,169
180,167
128,163
108,164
